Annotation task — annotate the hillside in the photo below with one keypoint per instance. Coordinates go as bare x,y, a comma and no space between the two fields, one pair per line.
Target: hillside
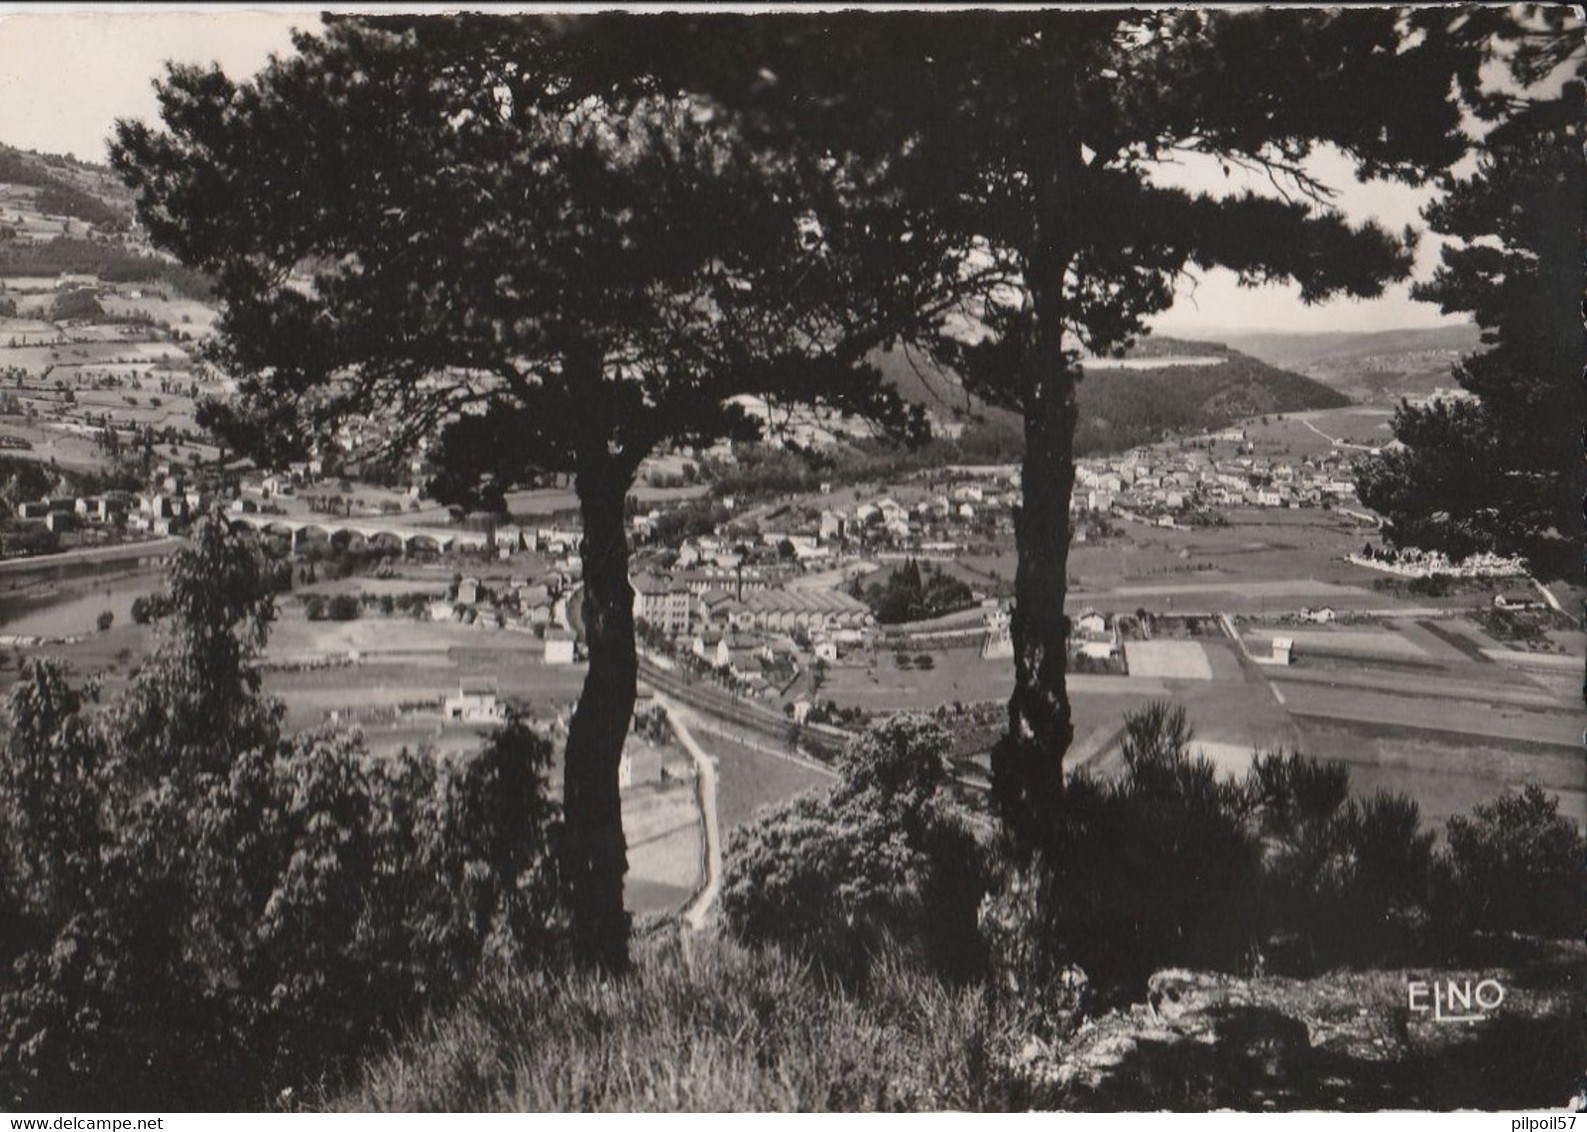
1164,386
1377,368
1122,408
59,216
61,186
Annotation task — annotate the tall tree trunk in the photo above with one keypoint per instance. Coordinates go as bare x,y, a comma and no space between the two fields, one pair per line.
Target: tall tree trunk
1027,763
594,852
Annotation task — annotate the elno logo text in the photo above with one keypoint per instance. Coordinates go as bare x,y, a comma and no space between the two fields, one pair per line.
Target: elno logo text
1455,1000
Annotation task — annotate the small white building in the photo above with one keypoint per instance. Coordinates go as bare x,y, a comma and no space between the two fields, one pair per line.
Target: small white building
1517,599
475,702
1092,622
1283,649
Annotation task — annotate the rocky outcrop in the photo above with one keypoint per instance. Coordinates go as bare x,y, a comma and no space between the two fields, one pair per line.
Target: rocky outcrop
1348,1041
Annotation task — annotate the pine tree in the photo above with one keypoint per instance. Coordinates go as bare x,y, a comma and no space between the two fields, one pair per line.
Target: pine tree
466,230
1504,472
1032,138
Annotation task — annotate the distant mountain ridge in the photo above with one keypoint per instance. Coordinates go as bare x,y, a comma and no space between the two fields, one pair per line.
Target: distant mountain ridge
1378,367
1122,408
1165,345
1301,349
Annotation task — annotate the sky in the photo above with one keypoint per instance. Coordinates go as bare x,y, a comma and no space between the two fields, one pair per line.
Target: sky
67,74
1214,299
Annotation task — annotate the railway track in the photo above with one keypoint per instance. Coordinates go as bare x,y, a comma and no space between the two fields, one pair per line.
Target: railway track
756,720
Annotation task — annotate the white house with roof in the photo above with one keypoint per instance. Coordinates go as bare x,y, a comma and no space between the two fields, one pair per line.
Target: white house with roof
1092,636
475,702
1517,599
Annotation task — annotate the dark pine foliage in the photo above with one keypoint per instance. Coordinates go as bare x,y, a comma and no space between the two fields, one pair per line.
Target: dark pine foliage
1281,870
1518,865
1506,473
1172,863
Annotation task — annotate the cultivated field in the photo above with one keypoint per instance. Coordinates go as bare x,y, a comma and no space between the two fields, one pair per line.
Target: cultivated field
71,609
1446,773
1366,425
27,331
1179,660
1559,726
544,502
1374,642
1407,696
751,773
957,674
192,317
666,847
1263,560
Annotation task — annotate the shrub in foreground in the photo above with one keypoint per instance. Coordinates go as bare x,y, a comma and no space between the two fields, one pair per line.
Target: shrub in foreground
1344,881
1153,868
1517,864
883,856
1170,864
202,911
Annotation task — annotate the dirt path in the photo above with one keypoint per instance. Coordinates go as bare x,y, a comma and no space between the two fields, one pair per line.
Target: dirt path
1334,440
698,910
1248,663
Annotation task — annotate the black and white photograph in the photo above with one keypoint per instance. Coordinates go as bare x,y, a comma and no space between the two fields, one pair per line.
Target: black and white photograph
665,558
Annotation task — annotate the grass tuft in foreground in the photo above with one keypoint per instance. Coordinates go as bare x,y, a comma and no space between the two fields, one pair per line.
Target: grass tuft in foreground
705,1024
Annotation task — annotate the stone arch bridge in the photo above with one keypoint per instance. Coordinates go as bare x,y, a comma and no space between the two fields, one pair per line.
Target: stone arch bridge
391,535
